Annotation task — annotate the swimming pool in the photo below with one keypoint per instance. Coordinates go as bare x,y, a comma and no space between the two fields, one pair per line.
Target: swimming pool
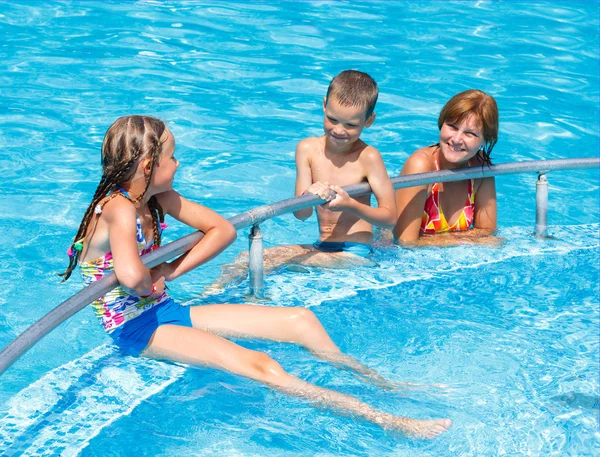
504,341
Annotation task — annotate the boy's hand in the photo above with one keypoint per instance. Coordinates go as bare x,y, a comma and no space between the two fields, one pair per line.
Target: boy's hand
322,190
341,200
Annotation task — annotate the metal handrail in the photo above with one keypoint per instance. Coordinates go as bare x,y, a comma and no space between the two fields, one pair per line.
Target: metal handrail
253,217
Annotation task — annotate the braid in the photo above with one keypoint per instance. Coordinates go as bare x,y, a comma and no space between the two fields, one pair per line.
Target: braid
157,217
107,184
127,140
153,205
101,191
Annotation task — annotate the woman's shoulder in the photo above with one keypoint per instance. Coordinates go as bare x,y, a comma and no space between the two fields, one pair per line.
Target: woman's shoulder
420,161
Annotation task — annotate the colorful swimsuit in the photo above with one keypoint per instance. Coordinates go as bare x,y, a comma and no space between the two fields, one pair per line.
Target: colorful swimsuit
433,219
128,319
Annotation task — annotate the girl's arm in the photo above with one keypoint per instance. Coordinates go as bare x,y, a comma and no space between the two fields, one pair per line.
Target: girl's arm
218,234
410,201
120,217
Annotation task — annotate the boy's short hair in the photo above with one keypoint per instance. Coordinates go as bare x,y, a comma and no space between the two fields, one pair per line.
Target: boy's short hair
354,88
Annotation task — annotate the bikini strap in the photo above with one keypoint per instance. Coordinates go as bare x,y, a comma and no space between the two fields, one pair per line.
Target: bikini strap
435,159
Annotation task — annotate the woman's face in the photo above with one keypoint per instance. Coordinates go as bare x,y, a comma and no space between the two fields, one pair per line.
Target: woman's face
460,141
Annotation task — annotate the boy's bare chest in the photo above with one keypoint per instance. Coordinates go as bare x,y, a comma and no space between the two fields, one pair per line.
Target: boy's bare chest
340,172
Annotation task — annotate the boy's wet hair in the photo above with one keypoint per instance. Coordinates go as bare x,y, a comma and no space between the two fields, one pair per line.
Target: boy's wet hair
128,140
354,88
485,111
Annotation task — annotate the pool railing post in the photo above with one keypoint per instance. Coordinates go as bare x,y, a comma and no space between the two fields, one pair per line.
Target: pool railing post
256,262
541,205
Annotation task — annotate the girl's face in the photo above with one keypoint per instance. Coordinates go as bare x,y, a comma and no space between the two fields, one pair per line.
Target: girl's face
460,141
164,170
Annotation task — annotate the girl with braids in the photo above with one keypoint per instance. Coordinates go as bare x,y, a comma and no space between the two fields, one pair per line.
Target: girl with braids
468,126
125,220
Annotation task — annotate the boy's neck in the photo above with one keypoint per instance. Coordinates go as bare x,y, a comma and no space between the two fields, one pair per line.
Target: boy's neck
340,150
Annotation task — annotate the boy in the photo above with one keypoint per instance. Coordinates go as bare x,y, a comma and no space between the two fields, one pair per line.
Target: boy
340,158
323,165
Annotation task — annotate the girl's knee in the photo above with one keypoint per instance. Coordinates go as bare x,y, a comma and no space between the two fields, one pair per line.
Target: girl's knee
305,319
264,368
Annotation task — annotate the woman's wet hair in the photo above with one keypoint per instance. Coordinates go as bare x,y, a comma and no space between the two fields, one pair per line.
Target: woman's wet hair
128,140
484,110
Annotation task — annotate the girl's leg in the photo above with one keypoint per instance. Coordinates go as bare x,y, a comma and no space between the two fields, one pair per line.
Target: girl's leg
290,325
198,347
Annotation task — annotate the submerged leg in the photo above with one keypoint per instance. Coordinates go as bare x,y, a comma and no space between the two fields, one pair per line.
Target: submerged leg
291,325
198,347
238,270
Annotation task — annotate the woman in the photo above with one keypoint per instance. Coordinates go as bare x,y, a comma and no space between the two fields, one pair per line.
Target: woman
464,210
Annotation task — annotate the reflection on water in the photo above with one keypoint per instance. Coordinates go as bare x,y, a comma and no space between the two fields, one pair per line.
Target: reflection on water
510,331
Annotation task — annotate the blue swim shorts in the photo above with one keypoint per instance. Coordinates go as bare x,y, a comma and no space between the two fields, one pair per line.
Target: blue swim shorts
359,249
133,336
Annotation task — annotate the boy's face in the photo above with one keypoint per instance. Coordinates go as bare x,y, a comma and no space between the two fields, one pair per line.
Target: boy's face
343,124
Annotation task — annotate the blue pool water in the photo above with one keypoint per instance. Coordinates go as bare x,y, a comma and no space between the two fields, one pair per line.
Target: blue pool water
502,340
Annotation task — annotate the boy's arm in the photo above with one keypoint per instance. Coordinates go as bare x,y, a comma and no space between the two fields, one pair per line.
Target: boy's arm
385,214
303,176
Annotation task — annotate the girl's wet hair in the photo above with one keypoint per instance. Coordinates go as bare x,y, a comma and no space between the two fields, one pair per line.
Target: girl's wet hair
485,111
128,140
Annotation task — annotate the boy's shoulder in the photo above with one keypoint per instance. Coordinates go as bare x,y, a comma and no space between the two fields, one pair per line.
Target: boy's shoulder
369,154
310,144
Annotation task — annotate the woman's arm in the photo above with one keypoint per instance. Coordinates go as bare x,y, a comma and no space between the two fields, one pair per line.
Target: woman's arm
410,201
218,234
485,205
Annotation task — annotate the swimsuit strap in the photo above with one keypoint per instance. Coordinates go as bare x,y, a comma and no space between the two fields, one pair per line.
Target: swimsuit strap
98,212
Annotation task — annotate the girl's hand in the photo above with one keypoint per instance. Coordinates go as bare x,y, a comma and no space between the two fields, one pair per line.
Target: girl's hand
159,286
161,272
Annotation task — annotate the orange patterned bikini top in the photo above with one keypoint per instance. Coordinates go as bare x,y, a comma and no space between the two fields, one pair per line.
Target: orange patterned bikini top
433,219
